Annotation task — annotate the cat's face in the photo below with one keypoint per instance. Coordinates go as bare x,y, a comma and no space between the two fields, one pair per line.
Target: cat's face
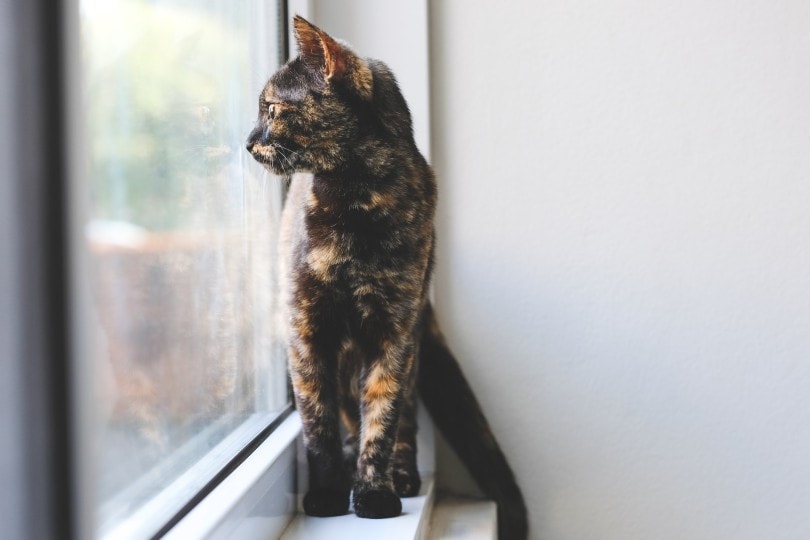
302,124
308,111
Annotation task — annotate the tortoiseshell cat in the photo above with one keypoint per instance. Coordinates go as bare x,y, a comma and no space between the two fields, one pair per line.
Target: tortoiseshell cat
356,264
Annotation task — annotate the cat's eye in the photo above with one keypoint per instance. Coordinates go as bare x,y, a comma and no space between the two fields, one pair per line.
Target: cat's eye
271,110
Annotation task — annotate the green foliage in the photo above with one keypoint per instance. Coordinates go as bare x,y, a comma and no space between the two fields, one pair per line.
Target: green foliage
157,102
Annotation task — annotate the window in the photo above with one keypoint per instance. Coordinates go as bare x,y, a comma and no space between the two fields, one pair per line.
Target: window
186,359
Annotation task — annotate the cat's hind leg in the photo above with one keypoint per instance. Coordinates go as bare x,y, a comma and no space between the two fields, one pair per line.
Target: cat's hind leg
404,471
349,363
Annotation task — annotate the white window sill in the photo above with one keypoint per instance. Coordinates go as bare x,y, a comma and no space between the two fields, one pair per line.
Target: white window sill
426,517
411,525
260,500
463,519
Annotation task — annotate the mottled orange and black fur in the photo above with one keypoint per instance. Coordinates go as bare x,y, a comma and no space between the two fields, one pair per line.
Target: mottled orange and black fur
357,258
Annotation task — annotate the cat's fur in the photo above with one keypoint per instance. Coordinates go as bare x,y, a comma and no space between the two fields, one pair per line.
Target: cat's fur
359,243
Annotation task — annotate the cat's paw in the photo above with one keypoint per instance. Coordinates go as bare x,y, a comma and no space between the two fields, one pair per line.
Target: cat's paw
407,481
326,502
376,504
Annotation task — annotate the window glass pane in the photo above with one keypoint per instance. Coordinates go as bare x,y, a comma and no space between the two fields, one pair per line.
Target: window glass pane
180,232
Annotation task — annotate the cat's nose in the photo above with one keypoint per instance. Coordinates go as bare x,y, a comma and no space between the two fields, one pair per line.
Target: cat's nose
253,138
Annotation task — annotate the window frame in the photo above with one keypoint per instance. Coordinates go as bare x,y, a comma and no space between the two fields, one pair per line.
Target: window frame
37,446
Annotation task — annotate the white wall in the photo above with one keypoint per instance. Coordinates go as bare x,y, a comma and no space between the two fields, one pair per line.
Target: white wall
394,31
625,256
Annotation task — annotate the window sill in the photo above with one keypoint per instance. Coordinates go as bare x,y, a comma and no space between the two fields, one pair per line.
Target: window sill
260,500
456,518
411,525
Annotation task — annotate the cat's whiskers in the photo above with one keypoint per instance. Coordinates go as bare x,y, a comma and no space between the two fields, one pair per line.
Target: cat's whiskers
278,148
288,149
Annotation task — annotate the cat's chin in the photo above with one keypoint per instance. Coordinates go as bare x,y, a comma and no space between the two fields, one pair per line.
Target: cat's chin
272,165
272,168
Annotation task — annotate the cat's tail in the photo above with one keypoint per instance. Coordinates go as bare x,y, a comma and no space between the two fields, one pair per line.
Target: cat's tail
455,411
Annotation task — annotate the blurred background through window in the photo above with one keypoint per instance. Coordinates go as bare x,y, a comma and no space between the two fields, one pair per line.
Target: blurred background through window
181,229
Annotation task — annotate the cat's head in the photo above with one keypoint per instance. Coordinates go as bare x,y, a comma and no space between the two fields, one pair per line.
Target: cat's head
316,109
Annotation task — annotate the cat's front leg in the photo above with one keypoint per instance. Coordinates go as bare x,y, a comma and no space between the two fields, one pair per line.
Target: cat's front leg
316,400
382,390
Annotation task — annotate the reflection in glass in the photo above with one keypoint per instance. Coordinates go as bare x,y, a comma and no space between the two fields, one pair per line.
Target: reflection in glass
180,232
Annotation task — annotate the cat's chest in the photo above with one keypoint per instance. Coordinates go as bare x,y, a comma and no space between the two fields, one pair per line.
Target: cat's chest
337,249
330,239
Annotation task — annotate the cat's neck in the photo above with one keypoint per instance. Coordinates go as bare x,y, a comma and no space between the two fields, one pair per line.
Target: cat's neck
371,165
345,183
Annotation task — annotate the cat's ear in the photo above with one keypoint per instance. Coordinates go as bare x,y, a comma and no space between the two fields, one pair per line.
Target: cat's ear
310,43
335,61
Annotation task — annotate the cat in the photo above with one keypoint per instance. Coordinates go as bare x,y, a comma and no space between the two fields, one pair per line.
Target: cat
358,247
